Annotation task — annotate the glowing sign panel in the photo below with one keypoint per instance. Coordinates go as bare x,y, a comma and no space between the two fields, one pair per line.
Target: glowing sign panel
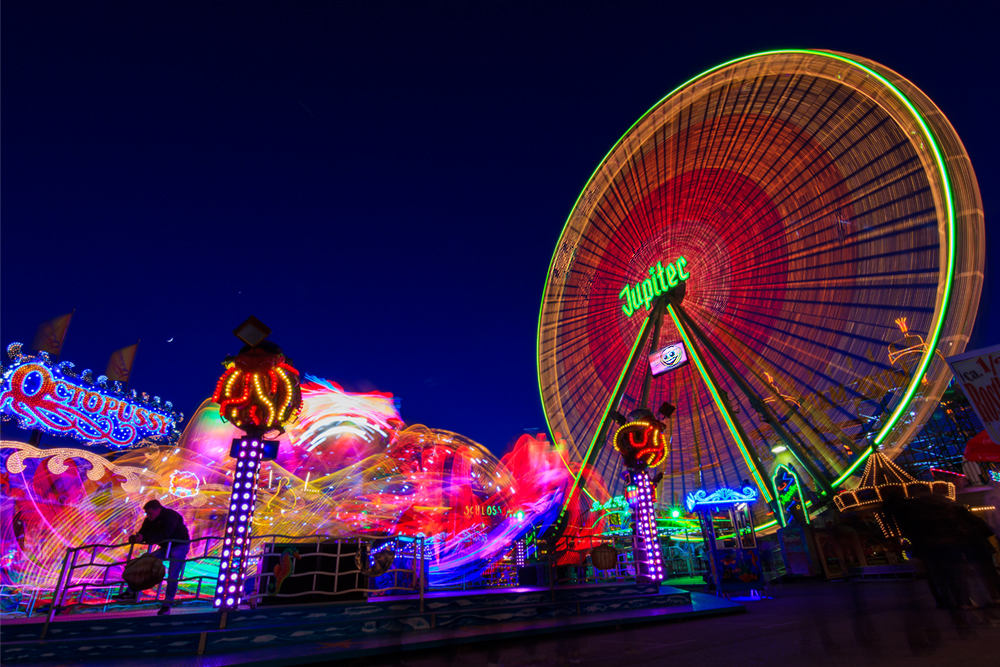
615,503
184,484
660,281
667,359
50,398
701,499
788,491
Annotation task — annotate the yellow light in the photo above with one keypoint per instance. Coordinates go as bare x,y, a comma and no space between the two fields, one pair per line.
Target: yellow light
230,381
263,397
283,413
658,438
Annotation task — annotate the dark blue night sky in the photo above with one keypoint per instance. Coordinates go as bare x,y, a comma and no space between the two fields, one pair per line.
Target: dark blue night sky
383,186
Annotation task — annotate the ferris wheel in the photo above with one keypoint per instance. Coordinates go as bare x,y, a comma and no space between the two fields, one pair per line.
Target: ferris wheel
795,240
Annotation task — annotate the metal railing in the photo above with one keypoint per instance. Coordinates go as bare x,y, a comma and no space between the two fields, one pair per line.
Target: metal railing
683,561
18,600
91,574
335,571
586,572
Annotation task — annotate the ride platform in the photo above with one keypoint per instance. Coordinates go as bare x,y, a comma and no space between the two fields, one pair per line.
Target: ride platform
302,634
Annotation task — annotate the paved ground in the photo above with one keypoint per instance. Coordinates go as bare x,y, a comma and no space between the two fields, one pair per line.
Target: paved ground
804,625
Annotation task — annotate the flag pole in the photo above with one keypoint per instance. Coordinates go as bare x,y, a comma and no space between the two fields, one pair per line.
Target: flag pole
65,331
128,380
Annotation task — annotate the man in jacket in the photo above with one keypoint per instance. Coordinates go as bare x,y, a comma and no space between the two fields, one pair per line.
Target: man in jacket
165,528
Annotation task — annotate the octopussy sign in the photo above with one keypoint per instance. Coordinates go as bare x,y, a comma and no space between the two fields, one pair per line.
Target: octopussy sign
42,396
660,281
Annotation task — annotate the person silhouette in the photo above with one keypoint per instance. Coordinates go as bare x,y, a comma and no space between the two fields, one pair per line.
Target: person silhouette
163,527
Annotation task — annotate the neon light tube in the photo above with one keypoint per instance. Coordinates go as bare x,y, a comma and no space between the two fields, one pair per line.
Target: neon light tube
722,407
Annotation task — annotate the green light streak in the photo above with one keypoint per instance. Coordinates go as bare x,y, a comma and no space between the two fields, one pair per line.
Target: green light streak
684,538
722,407
765,526
854,466
949,202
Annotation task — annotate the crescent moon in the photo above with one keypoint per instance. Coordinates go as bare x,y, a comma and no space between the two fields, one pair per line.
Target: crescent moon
170,340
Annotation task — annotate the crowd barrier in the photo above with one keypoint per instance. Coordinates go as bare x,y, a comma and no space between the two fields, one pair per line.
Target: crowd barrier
327,567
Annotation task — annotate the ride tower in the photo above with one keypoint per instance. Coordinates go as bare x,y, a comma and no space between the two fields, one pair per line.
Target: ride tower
258,393
642,444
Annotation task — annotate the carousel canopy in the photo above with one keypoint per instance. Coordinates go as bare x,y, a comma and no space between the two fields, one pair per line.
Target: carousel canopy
883,480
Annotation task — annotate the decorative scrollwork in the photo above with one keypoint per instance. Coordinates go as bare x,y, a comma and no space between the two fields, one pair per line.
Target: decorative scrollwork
722,496
135,478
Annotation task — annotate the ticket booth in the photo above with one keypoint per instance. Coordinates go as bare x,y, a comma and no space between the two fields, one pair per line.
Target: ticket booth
728,530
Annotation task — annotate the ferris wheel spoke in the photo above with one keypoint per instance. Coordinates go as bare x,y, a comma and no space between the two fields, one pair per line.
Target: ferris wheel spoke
803,140
880,280
852,196
726,194
814,341
761,407
749,455
719,138
806,353
829,158
797,360
857,195
747,137
908,224
713,432
782,372
890,227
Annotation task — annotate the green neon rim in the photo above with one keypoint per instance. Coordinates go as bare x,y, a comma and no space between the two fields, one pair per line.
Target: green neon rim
614,392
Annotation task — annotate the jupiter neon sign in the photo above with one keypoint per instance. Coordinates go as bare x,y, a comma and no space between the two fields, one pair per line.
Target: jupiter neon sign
661,280
50,398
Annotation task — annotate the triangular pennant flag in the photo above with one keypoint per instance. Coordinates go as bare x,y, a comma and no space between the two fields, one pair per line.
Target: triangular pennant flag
51,334
120,364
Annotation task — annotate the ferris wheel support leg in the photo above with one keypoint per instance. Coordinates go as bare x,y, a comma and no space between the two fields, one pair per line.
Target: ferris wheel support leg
802,418
760,406
600,437
647,380
623,381
757,470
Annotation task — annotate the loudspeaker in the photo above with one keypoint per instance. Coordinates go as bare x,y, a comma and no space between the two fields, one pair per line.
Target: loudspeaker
321,559
666,410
